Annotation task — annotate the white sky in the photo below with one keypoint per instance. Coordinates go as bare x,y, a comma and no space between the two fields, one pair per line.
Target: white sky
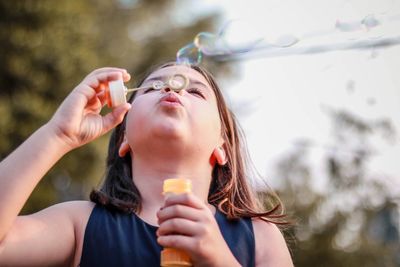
288,92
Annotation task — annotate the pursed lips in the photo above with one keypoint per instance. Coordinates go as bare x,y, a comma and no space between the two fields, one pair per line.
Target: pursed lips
171,97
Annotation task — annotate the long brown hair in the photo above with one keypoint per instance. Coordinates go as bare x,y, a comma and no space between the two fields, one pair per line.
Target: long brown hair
229,189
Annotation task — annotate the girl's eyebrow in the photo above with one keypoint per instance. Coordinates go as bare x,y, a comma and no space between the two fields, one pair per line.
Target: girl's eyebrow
158,78
195,82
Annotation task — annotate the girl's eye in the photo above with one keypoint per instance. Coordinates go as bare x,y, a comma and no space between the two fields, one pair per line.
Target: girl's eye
195,91
148,90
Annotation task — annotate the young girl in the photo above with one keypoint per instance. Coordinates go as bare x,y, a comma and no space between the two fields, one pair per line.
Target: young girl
164,134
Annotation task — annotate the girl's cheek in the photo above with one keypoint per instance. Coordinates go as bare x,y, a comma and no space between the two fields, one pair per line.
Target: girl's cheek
210,122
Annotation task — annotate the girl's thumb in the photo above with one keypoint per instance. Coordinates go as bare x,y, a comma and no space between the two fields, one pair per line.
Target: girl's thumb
115,117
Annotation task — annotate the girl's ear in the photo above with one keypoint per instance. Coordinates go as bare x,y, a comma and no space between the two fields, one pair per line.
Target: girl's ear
124,148
220,155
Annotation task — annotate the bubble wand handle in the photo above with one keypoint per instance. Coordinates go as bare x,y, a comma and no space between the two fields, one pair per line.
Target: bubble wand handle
129,90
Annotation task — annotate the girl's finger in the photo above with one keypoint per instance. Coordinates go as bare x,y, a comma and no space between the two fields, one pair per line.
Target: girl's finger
94,104
96,81
125,75
177,226
107,69
176,241
178,211
187,199
102,97
99,80
115,117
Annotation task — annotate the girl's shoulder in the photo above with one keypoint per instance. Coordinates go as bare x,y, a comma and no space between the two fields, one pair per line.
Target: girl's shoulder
51,235
271,246
77,206
79,213
77,209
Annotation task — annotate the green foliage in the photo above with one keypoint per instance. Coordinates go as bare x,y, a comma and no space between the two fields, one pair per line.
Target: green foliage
47,47
353,220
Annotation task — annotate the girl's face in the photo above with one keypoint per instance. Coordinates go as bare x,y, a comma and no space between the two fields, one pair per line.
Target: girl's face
190,115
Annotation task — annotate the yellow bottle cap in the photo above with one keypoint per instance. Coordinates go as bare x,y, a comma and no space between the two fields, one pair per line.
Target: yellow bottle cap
177,186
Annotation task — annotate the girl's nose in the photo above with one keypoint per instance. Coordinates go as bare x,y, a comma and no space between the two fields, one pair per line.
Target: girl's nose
167,89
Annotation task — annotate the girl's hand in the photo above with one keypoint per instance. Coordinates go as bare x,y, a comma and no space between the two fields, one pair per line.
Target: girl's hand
187,223
78,121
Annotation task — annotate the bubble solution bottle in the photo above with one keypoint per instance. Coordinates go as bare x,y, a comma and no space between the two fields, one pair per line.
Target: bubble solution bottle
172,257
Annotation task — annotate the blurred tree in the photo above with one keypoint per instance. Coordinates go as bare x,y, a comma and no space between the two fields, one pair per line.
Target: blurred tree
353,219
47,47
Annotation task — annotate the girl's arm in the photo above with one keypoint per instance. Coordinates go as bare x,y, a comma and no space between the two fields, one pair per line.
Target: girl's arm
76,122
271,248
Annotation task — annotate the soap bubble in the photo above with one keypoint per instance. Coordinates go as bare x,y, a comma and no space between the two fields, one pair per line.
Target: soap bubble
189,54
236,37
239,39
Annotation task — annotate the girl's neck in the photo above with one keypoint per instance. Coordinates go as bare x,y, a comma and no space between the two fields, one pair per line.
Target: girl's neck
149,177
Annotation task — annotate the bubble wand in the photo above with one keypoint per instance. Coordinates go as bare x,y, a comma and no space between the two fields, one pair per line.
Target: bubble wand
116,91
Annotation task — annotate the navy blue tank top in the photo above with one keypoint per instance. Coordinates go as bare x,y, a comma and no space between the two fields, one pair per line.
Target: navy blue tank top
114,238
